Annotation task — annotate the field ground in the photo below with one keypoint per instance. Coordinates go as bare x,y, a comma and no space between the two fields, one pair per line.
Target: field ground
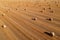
17,16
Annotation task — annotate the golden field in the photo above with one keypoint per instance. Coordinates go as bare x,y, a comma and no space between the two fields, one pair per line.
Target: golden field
17,16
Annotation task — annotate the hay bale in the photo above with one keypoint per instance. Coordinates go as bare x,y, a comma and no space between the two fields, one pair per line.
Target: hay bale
3,26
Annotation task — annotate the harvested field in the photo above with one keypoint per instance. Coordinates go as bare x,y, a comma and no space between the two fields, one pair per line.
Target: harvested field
29,20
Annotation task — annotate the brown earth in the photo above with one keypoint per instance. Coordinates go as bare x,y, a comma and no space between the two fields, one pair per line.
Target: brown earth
18,19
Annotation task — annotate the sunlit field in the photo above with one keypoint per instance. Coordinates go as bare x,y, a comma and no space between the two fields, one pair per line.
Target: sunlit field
29,19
